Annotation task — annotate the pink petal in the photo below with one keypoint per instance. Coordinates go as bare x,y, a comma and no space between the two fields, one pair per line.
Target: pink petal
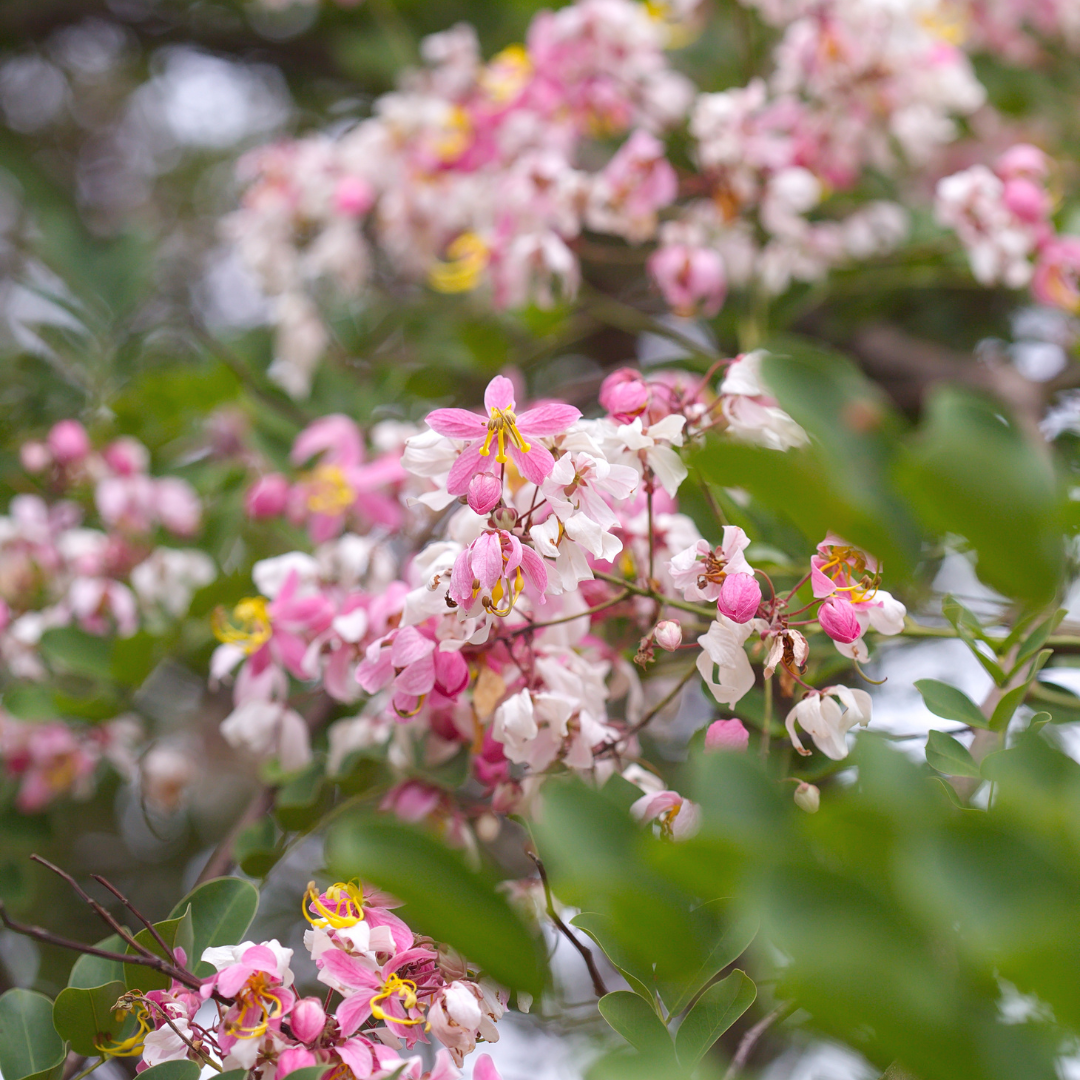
348,970
451,673
354,1010
465,468
417,678
375,670
461,579
399,931
547,419
337,435
499,394
457,423
357,1056
532,566
409,646
486,559
232,978
484,1069
536,465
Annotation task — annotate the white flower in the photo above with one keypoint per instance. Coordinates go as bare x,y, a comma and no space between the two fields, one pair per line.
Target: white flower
723,662
165,1044
269,729
822,718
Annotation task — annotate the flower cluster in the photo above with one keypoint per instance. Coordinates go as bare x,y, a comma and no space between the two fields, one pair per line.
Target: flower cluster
393,990
1003,219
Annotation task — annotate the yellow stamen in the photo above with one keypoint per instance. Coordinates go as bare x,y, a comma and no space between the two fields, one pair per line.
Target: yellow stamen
506,74
503,424
419,705
467,258
247,626
344,894
403,988
328,491
131,1047
255,995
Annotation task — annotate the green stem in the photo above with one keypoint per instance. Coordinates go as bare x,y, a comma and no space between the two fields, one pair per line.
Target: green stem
87,1072
709,614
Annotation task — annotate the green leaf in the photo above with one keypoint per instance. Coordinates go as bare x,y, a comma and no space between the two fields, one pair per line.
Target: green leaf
972,470
85,1017
948,756
446,899
962,618
221,912
736,931
231,1074
176,933
311,1072
69,649
90,971
949,703
29,1044
174,1070
713,1013
258,847
302,801
1009,703
635,1022
601,929
1037,638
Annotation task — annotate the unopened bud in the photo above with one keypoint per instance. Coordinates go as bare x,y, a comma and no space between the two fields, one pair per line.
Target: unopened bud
484,493
488,827
807,797
740,596
668,634
308,1019
35,457
839,620
69,442
505,517
267,497
727,735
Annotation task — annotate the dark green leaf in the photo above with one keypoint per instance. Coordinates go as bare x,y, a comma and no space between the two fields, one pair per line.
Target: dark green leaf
29,1044
446,899
948,756
635,1022
258,847
89,971
177,933
1009,703
312,1072
221,912
69,649
172,1070
601,930
949,703
302,801
713,1013
85,1017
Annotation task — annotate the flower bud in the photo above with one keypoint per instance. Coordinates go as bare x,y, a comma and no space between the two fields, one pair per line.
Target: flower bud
126,456
839,620
692,279
727,735
354,196
35,457
308,1019
505,517
740,596
668,634
484,493
1022,160
267,497
1026,200
624,394
807,797
69,442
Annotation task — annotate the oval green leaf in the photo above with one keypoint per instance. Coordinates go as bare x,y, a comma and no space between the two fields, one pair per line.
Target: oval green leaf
636,1022
29,1044
713,1013
172,1070
948,756
85,1017
221,912
177,934
949,703
90,971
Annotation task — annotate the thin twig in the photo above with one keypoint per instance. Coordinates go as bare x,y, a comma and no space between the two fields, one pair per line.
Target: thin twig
49,938
138,915
661,705
624,595
201,1054
586,953
652,594
221,859
86,1072
750,1039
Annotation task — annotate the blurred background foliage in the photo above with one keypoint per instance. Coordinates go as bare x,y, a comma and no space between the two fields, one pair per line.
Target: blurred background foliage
898,923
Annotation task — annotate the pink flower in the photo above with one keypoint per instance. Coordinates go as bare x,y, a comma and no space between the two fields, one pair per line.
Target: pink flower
668,634
727,735
692,279
699,571
636,183
178,507
267,497
1027,200
308,1019
34,457
50,760
840,567
354,196
493,570
510,433
1057,274
839,620
625,394
126,456
413,664
740,597
678,817
1023,160
68,442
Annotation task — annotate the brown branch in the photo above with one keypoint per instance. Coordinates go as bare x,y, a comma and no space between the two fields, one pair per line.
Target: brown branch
221,859
586,953
587,613
49,938
200,1054
138,915
750,1039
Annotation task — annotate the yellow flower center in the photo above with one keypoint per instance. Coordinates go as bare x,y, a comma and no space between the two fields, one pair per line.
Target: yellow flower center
503,425
130,1047
467,258
256,997
948,22
852,562
328,491
248,625
454,139
343,907
506,74
402,988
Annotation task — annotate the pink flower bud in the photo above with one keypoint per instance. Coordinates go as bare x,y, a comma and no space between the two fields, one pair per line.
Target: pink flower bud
740,596
484,493
267,497
1022,160
727,735
178,506
668,634
808,798
692,279
839,620
35,457
624,394
5,616
308,1019
126,456
354,196
69,442
1026,200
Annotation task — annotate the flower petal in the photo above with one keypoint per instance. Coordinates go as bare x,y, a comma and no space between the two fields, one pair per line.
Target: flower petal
551,419
457,423
499,394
